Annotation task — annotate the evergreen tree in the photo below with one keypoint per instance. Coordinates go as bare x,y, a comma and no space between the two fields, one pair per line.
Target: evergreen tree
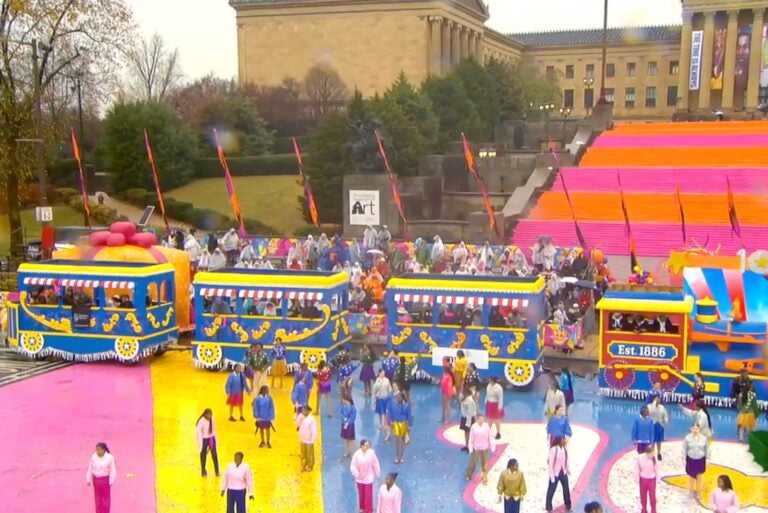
456,111
403,134
484,92
417,107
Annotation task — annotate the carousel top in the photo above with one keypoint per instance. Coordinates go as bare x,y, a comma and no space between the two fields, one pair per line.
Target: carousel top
464,282
94,268
272,278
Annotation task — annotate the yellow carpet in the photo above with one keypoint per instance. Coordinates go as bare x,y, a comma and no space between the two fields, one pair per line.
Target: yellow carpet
181,392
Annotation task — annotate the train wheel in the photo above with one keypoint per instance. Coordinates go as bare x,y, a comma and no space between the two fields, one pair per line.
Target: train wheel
127,349
209,355
519,374
619,379
31,343
666,379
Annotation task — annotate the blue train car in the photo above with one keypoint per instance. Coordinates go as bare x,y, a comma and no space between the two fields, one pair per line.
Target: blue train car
235,308
88,311
496,321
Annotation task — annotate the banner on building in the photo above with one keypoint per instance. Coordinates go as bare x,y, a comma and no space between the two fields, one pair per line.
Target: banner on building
764,58
718,52
696,42
742,59
364,208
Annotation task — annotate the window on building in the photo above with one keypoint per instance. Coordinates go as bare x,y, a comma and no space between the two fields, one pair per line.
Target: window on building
631,69
589,71
569,71
550,72
609,94
763,96
610,70
629,97
653,69
650,96
674,67
589,98
568,98
672,96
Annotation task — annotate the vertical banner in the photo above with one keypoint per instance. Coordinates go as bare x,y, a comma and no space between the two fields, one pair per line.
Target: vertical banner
718,52
311,205
697,38
392,183
742,59
156,181
83,186
230,183
469,159
764,58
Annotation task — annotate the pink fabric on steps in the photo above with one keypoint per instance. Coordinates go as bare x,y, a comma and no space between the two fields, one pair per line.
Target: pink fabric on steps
609,140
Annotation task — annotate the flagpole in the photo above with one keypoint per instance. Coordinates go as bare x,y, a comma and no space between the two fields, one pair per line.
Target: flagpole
83,190
156,181
308,195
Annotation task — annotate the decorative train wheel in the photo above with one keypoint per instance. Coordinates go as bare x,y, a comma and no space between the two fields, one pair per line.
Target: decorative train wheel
31,343
619,379
519,374
209,355
668,380
127,349
312,357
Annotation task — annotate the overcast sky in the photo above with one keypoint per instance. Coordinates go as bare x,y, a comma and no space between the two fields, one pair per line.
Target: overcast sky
205,32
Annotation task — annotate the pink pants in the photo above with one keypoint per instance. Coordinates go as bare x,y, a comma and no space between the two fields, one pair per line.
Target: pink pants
364,497
101,492
647,491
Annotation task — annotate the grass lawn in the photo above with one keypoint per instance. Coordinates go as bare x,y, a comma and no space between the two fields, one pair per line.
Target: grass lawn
269,199
62,216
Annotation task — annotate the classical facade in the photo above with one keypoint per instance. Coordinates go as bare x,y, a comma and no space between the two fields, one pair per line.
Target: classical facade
713,60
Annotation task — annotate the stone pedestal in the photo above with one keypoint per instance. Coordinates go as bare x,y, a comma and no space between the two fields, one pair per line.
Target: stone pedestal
381,210
602,117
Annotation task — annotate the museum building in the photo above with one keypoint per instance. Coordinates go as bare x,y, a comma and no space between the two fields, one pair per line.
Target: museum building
717,59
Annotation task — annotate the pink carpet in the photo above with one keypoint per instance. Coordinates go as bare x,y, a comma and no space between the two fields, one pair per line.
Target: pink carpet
51,424
609,140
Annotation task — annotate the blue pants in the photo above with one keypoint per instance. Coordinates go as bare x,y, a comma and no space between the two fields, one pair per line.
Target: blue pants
511,505
562,479
235,501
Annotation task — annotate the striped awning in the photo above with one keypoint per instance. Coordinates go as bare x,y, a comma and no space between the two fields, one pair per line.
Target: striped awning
460,300
39,281
261,294
118,284
208,292
309,296
413,298
79,283
514,303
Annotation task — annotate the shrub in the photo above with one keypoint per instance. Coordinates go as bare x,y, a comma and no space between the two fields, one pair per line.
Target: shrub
100,214
261,165
135,196
285,144
62,195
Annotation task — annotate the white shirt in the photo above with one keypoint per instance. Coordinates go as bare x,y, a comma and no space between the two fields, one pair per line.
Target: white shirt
193,248
494,393
237,477
101,466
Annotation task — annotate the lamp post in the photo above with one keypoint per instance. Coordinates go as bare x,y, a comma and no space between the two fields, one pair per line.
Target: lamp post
588,83
546,108
602,100
81,129
564,113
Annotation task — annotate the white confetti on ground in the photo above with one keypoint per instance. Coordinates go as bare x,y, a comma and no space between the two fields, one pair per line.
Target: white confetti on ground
745,474
528,443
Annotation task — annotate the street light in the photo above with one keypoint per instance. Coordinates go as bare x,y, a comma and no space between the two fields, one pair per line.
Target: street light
564,113
588,83
546,108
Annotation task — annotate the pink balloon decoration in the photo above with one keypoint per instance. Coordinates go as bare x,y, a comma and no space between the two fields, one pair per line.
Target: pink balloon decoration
123,227
98,238
115,240
144,239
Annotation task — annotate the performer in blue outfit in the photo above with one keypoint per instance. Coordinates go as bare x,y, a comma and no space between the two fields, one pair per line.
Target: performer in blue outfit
558,425
264,413
654,393
300,395
643,432
235,387
390,364
348,417
566,386
306,374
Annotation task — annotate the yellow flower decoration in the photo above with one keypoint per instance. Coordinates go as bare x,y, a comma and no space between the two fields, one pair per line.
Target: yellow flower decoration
336,328
424,337
211,330
127,348
488,344
398,340
108,326
168,317
153,320
32,342
515,344
312,357
239,331
461,339
135,324
263,330
209,355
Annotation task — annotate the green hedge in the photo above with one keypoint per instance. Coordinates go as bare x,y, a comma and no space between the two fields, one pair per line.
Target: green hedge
262,165
285,144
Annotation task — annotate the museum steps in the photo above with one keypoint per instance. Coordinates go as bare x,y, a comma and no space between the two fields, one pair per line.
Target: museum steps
652,162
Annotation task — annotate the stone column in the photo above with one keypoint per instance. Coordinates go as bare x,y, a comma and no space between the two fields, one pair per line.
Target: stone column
706,60
435,45
479,48
684,70
464,34
755,51
729,70
445,27
455,43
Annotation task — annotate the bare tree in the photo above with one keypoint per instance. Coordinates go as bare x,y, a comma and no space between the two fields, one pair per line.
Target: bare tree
325,90
155,69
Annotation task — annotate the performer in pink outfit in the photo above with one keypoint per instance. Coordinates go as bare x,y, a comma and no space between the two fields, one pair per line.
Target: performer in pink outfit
101,474
206,441
481,445
648,475
724,499
365,469
390,496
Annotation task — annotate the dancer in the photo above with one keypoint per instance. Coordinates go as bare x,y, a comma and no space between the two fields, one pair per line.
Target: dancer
494,404
235,387
558,473
367,374
643,431
700,416
559,426
748,411
307,428
258,362
724,499
658,413
699,387
511,487
264,413
447,393
402,378
279,366
481,445
300,395
323,376
400,419
390,365
382,390
566,387
553,399
348,416
468,413
365,469
345,388
648,475
472,379
460,369
206,441
305,373
654,393
237,481
101,473
695,453
390,498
